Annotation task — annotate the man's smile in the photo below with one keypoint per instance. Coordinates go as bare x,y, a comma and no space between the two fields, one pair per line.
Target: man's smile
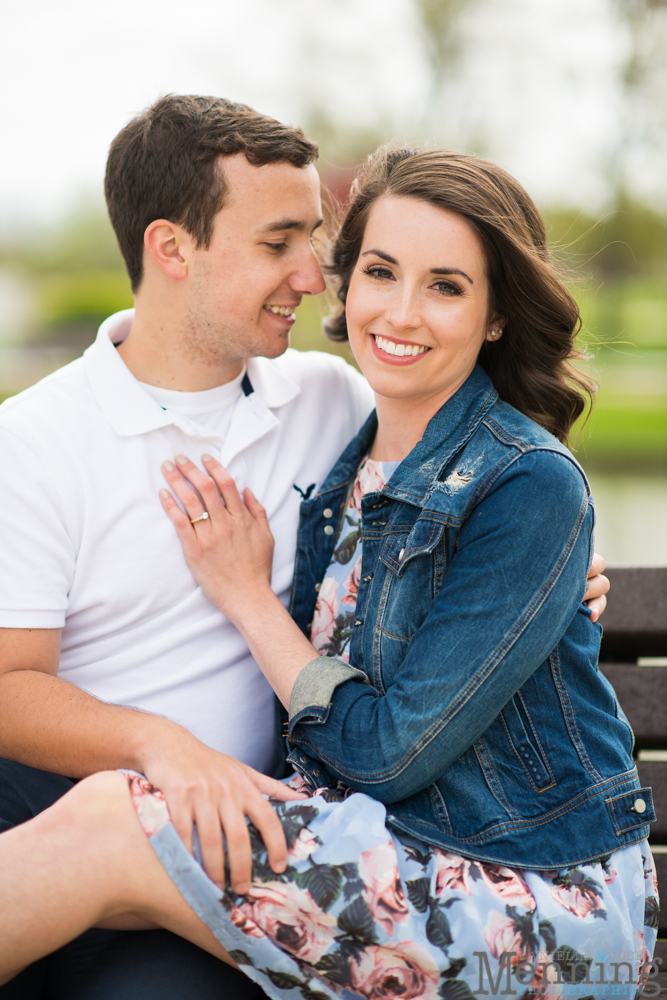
285,311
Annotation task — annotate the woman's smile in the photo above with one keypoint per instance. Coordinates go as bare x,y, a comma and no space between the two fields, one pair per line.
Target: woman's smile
396,352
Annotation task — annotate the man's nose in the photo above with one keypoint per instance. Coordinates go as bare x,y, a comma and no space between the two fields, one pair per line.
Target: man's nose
308,279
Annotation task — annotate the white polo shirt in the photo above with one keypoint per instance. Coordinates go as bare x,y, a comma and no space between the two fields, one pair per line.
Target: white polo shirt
86,546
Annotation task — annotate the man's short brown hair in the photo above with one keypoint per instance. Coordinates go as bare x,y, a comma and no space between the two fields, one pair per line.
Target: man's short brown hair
164,165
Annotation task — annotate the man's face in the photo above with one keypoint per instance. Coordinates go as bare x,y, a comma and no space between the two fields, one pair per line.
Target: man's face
243,290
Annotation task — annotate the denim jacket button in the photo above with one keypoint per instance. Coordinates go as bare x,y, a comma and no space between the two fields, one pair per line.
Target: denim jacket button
317,587
400,555
328,530
327,512
639,806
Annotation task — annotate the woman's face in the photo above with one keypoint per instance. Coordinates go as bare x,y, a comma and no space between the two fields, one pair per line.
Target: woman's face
417,307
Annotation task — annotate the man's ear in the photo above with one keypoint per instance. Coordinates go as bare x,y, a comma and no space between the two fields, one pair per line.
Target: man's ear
168,245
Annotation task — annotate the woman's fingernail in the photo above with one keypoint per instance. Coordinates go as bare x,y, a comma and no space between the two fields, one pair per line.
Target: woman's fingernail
181,459
279,867
168,466
165,494
241,888
207,458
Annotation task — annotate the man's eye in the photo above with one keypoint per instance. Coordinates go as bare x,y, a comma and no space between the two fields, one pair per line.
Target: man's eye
276,247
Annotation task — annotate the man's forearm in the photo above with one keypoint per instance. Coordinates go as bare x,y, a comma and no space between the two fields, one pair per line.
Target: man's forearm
47,723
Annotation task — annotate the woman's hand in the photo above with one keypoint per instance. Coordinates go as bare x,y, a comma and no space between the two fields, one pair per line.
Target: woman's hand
231,549
598,586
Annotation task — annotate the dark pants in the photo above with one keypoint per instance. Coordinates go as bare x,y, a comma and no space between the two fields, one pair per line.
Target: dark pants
110,965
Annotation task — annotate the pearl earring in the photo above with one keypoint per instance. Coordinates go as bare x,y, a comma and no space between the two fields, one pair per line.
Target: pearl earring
495,333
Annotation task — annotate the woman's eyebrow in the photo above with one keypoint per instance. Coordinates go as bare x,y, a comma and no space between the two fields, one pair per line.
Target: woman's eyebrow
450,270
434,270
381,254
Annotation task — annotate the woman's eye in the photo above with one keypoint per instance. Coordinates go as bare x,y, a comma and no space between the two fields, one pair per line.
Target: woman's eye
446,288
377,271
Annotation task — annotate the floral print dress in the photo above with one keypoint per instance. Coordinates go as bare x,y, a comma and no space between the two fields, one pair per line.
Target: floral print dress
361,911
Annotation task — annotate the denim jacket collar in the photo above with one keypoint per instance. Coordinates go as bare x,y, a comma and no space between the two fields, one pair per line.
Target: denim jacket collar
447,432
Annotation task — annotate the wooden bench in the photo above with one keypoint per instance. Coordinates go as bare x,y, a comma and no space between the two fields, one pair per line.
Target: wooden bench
634,658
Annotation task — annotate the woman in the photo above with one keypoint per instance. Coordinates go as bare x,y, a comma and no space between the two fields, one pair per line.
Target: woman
474,810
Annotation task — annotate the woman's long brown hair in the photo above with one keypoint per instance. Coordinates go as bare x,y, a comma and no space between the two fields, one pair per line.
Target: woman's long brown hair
531,366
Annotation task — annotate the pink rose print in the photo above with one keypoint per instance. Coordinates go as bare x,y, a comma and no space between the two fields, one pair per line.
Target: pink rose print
303,846
150,804
326,612
402,972
453,873
544,985
299,784
610,875
644,960
383,892
351,585
508,885
502,934
369,480
288,915
577,899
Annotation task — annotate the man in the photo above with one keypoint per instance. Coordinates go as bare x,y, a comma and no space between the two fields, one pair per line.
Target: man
214,207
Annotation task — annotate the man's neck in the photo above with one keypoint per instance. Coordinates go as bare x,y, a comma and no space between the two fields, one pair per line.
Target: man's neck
157,353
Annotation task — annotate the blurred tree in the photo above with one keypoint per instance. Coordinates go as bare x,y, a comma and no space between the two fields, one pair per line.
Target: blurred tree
641,156
440,22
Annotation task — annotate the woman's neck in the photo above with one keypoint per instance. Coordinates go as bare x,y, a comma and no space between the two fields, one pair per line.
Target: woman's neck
402,422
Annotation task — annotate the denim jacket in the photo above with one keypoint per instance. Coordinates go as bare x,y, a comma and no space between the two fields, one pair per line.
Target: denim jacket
472,705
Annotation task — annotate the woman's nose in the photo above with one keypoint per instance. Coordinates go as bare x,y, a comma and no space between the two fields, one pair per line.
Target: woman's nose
402,312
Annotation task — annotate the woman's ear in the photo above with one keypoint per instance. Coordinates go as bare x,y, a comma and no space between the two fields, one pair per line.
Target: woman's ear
167,244
494,330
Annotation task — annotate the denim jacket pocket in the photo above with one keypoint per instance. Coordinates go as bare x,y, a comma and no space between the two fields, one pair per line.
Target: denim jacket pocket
399,549
526,744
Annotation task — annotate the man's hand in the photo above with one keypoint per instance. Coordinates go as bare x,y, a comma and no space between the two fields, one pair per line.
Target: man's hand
598,586
217,792
47,723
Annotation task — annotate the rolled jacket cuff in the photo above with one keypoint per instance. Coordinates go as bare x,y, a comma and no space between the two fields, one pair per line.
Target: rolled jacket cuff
317,682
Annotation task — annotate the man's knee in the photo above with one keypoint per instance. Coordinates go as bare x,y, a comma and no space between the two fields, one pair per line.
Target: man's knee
27,791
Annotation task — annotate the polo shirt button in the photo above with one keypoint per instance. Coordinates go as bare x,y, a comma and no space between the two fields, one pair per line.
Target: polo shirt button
639,806
327,512
400,555
328,530
317,587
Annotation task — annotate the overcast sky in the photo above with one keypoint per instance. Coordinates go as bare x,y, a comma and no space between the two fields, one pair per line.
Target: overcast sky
537,89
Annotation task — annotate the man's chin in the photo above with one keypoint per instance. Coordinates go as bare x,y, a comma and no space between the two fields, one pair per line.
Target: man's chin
272,349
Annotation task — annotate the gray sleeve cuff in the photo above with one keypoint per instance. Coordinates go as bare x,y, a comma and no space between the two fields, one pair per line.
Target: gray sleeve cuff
317,682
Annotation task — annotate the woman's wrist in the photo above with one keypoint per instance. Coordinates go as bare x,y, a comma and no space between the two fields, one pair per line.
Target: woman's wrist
246,605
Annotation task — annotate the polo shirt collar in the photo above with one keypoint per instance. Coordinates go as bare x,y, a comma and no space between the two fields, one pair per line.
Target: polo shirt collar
131,410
